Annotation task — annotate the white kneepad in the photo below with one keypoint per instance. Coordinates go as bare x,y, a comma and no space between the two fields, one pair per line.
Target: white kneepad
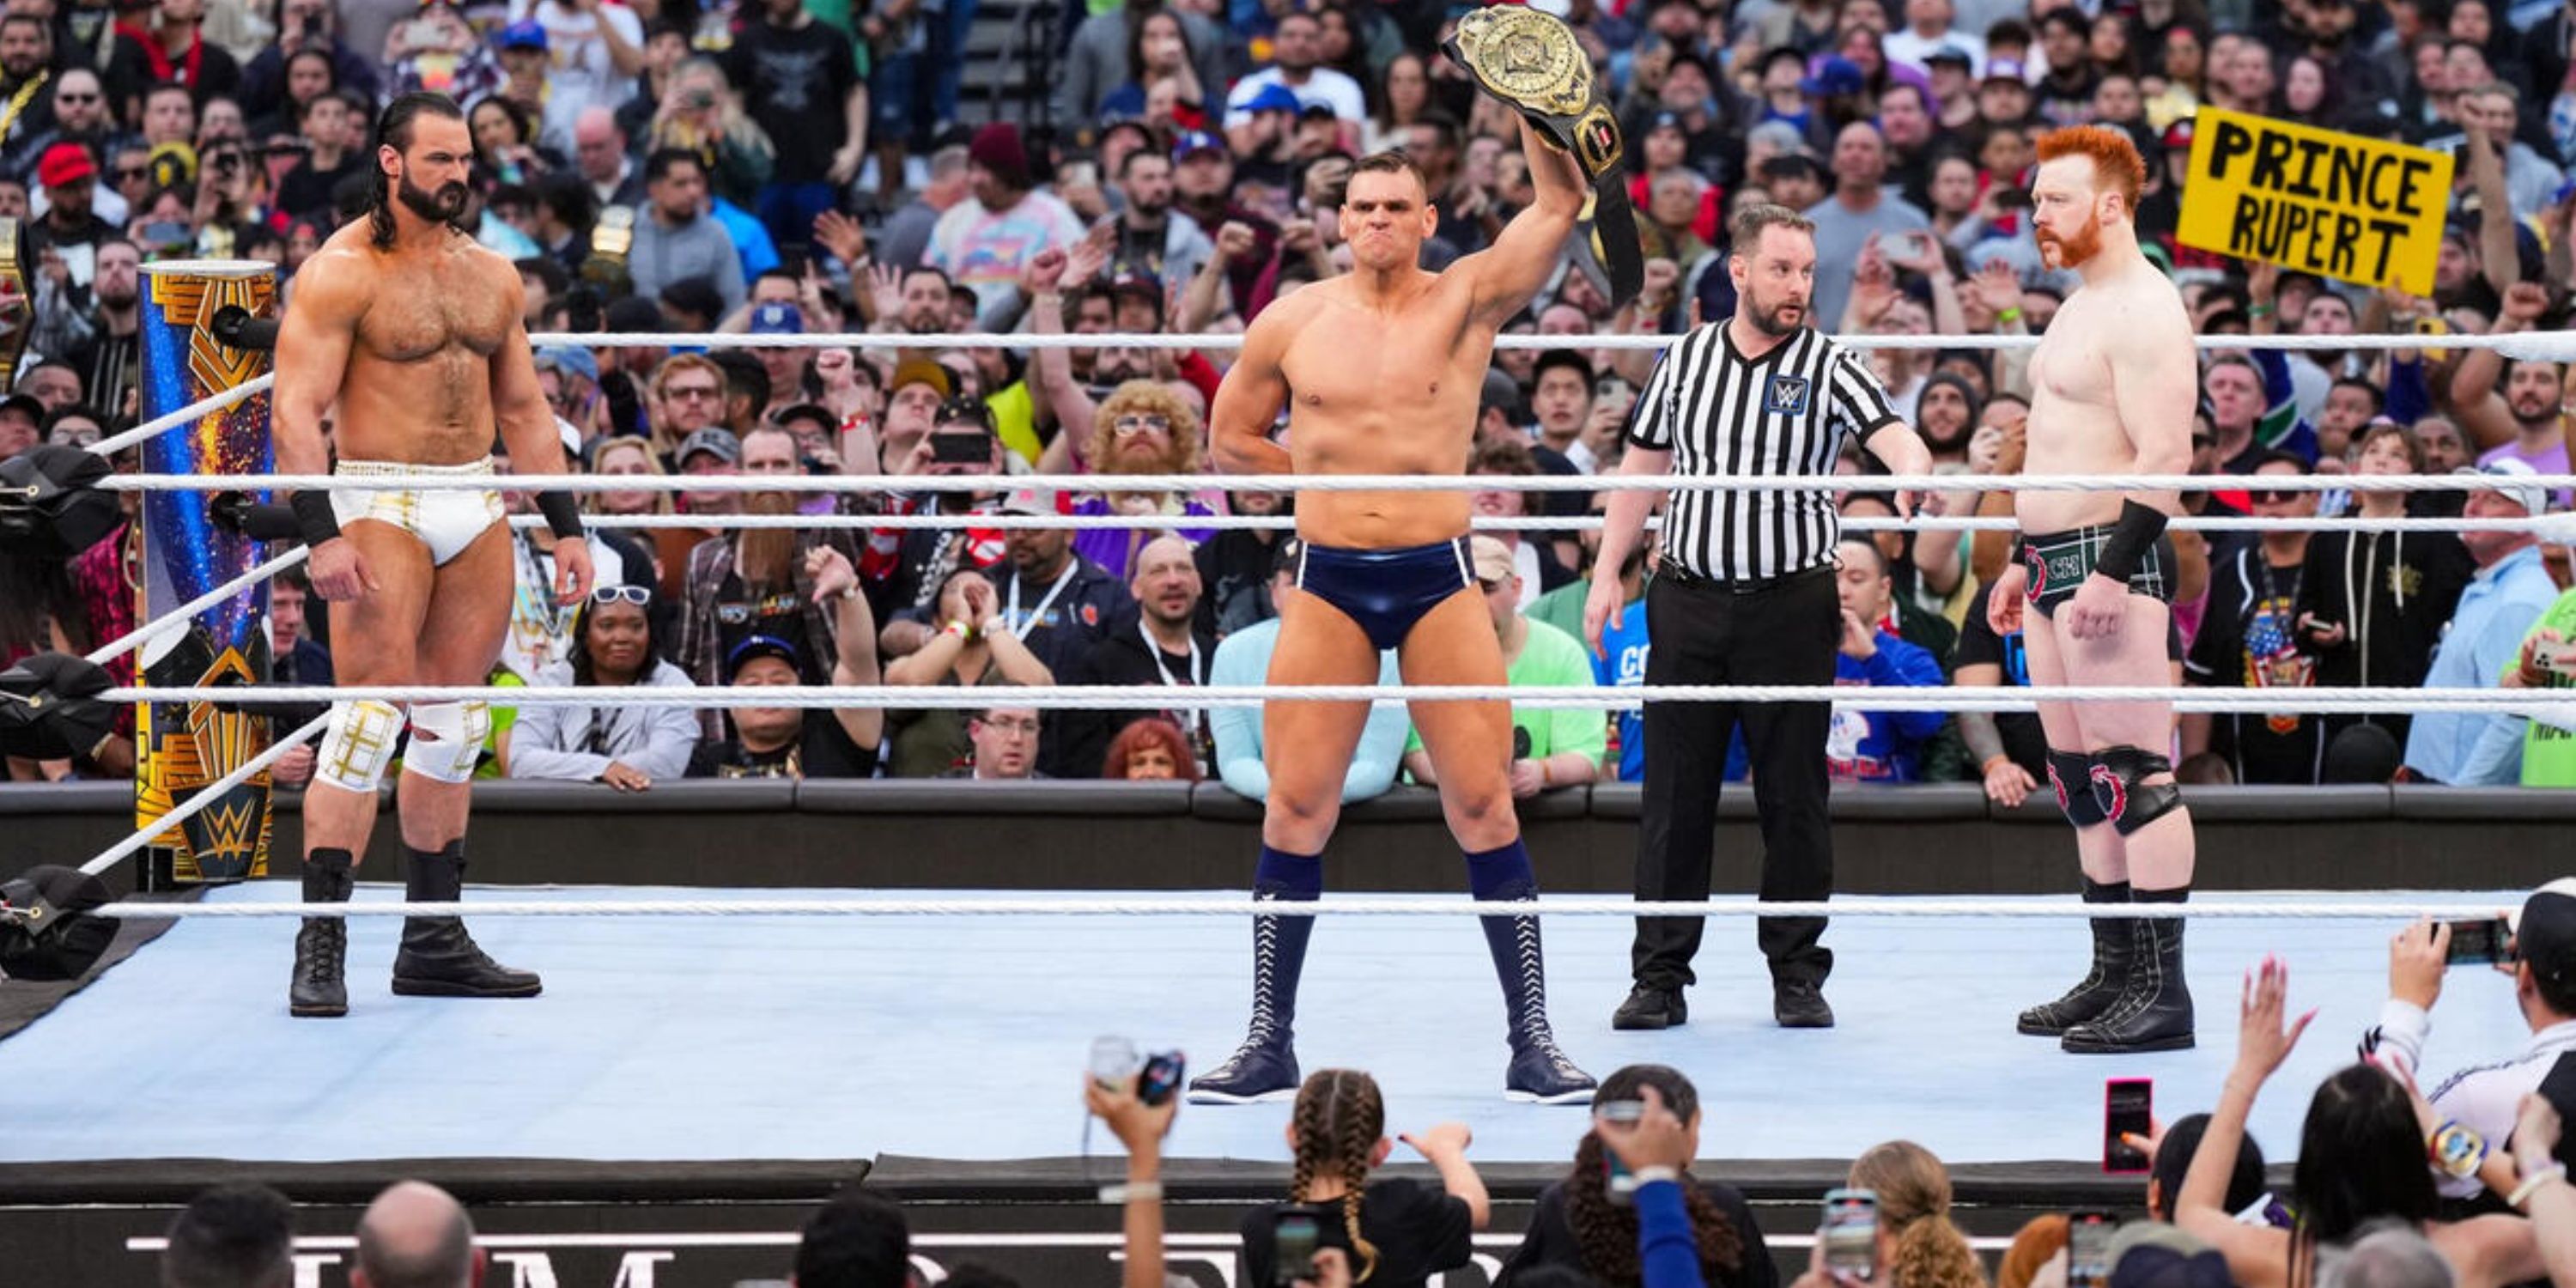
358,744
446,739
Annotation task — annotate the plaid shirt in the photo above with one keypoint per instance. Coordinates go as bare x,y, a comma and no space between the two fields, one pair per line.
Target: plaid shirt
701,652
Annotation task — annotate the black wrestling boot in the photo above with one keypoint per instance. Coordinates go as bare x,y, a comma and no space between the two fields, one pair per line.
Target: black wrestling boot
438,959
2101,986
319,989
2154,1011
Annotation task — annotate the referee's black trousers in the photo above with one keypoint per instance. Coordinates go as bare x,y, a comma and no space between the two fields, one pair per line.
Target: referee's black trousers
1779,632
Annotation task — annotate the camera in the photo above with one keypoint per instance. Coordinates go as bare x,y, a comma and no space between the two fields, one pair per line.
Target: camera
701,99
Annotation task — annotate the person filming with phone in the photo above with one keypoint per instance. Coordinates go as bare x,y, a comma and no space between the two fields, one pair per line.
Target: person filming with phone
2536,947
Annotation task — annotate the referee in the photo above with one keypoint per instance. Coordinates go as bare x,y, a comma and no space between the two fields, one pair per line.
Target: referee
1743,594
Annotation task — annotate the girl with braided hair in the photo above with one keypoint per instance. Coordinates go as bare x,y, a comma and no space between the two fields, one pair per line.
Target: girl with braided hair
1578,1225
1395,1232
1920,1245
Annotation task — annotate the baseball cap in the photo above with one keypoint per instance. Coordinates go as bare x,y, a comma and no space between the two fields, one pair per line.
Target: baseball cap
2544,931
2007,69
25,403
726,447
65,163
1782,138
1137,282
1835,75
1193,142
1492,558
760,646
2530,496
568,358
1273,98
529,34
1950,54
919,371
777,319
1664,121
816,412
1031,500
2178,136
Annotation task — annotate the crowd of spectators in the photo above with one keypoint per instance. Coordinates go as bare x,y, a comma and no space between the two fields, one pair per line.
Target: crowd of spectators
2391,1188
784,168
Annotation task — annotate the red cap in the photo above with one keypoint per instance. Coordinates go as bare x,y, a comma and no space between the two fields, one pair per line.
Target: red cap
65,163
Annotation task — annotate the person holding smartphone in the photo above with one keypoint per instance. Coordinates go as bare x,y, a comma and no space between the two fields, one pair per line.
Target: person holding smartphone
2542,964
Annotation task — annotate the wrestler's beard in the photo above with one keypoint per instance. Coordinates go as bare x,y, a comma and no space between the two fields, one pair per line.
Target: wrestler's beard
445,206
768,554
2073,252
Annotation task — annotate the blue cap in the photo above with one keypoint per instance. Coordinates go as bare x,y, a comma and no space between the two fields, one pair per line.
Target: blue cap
759,646
571,358
1273,98
1192,142
529,34
1835,75
777,319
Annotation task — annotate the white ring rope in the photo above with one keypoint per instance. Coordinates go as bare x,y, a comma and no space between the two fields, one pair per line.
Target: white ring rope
1350,905
902,483
188,415
1112,697
177,618
1483,523
2544,345
205,796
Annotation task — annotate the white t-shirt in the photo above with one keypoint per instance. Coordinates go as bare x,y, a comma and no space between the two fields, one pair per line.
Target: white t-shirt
1323,86
579,73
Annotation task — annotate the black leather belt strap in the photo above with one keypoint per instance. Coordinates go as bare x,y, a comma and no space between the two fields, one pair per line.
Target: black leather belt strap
1530,60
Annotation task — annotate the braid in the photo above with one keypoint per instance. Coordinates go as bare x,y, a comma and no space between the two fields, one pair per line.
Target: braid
1360,1129
1721,1249
1307,1121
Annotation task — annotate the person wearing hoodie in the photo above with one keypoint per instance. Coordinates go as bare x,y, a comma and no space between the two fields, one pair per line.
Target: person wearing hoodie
615,645
2373,604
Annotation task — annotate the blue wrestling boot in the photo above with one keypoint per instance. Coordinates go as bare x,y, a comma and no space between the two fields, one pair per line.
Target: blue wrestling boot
1265,1066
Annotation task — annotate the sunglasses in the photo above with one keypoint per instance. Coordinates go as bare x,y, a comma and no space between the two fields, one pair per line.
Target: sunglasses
75,98
128,174
640,596
1141,424
2272,496
690,391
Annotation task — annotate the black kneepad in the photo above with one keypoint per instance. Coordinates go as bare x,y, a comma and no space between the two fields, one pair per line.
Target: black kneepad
2126,801
2071,773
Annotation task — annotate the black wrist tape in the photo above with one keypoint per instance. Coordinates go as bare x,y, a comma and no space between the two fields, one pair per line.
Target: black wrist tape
2131,540
563,514
313,514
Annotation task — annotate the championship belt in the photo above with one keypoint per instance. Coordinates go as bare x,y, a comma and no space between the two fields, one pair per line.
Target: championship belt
1530,60
17,310
610,240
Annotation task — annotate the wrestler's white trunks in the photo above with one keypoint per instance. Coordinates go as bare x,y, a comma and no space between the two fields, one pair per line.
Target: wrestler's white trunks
446,522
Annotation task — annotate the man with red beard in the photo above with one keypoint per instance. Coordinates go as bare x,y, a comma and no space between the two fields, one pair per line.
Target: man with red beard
1142,427
2113,394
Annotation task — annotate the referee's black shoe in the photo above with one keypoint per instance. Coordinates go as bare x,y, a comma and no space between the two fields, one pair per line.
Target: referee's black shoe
1800,1004
1649,1007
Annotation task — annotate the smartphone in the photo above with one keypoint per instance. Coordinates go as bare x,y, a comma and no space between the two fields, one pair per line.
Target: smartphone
960,449
2558,657
422,34
2088,1248
1113,1061
2479,943
1617,1182
2128,1109
1160,1078
1850,1233
1292,1240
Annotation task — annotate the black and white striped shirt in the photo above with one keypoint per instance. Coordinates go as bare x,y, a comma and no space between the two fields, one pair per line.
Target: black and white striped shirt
1783,413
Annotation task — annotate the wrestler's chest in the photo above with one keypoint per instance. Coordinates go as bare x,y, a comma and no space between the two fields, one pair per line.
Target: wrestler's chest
1372,363
2068,368
415,318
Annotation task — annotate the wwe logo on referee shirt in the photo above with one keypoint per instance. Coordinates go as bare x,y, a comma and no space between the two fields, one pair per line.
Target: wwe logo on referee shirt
1785,396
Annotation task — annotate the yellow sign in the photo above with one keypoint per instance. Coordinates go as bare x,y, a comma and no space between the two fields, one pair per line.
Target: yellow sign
2319,201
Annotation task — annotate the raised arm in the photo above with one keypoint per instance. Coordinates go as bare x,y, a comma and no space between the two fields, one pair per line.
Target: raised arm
2480,373
1248,403
854,626
1511,271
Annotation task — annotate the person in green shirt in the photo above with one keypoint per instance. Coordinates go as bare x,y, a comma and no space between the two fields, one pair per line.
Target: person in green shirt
1551,747
2548,661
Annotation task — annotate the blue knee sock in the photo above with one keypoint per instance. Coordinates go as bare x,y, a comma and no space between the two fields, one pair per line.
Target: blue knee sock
1279,943
1519,964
